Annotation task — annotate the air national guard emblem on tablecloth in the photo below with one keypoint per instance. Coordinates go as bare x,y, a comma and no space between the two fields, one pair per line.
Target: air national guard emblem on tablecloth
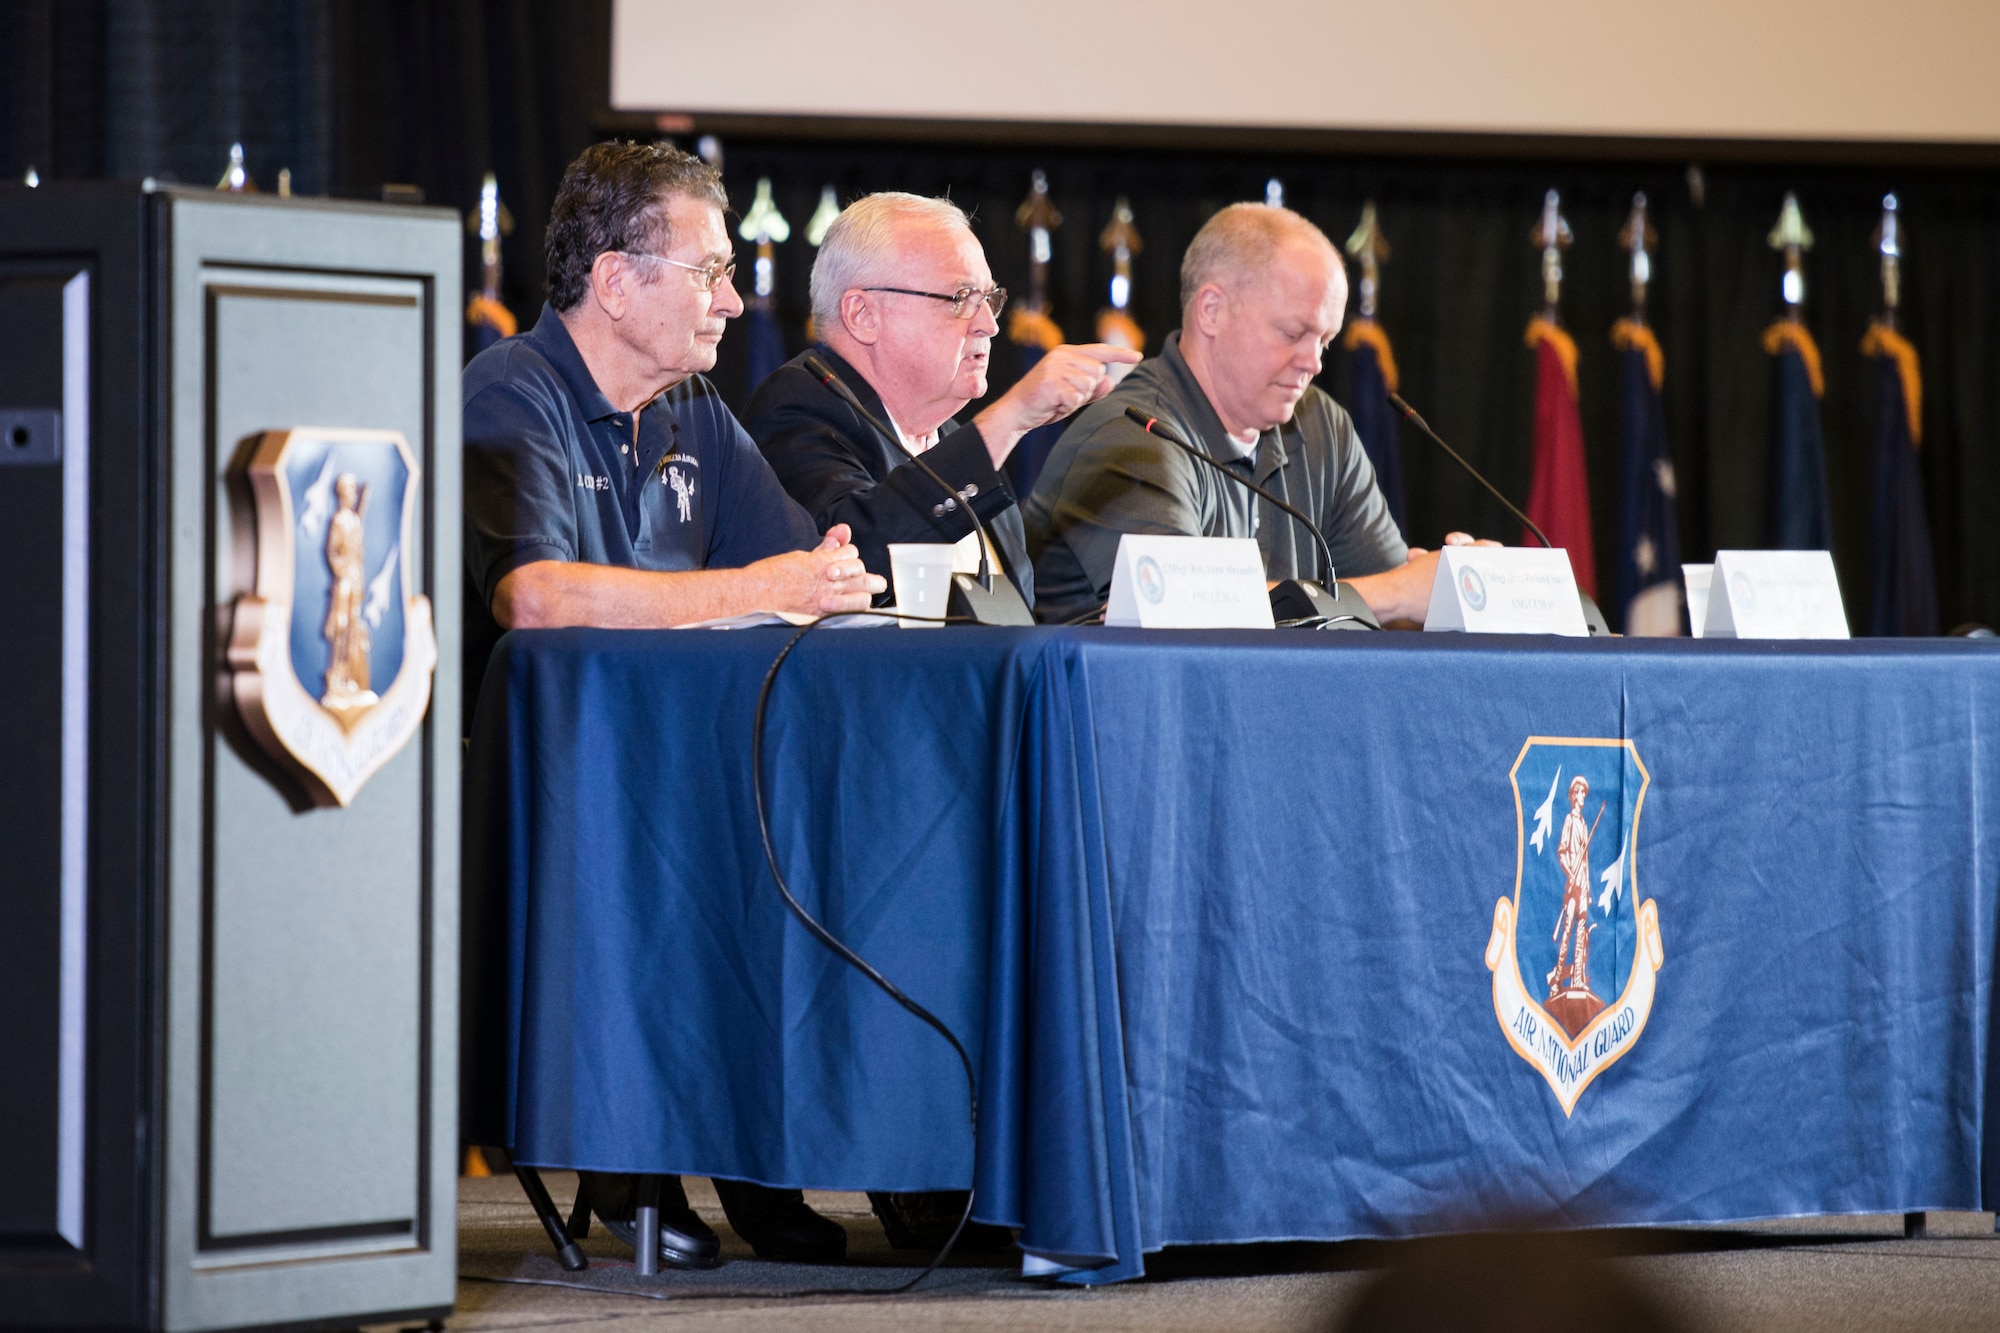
331,657
1574,952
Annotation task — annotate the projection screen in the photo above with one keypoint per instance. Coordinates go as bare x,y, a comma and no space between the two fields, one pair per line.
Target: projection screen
1916,71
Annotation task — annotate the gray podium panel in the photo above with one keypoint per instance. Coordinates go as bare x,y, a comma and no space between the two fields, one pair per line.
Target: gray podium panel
229,1099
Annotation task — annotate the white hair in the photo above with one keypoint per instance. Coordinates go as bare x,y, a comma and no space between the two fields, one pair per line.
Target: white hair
861,246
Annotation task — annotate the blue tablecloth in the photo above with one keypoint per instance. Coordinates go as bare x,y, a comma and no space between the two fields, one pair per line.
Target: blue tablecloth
1214,913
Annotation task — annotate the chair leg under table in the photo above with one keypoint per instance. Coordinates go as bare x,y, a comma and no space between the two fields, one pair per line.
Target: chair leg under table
568,1254
647,1215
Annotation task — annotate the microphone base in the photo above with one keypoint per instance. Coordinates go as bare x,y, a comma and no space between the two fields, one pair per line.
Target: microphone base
1593,619
1339,607
1001,605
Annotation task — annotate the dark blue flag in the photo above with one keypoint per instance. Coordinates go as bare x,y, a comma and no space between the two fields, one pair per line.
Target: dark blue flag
1905,585
1649,554
1374,421
1036,335
1801,519
490,322
767,343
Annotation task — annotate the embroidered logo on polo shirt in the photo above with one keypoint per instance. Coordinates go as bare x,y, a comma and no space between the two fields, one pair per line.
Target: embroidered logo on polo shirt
683,483
587,482
1574,953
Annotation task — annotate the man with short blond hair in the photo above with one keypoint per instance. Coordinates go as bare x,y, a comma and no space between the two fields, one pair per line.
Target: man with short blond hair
1263,293
907,311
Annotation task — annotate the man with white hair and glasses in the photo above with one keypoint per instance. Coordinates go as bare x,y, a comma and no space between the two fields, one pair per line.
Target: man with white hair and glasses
907,311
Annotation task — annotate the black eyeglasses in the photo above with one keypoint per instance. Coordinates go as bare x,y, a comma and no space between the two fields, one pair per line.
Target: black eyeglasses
962,302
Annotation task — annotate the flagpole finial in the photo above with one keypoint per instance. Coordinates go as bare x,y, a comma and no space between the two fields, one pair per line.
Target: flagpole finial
1552,236
1792,238
235,178
765,226
489,222
1638,239
1038,217
1888,241
32,178
1274,193
1121,240
823,216
1371,248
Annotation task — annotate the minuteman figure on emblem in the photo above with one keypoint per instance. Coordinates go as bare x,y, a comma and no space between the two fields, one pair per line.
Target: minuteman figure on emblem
683,492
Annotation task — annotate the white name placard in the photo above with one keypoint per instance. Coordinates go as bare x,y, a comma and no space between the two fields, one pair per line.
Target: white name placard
1774,595
1505,590
1697,577
1188,583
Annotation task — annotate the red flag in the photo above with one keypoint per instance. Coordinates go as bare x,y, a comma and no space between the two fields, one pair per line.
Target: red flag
1559,494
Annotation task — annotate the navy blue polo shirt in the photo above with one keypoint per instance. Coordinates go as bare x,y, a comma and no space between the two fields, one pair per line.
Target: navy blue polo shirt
552,473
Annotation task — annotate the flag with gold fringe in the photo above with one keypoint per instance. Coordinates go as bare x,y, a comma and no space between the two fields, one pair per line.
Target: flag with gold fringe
1905,581
1800,517
1559,492
1032,330
1649,555
1373,364
1374,368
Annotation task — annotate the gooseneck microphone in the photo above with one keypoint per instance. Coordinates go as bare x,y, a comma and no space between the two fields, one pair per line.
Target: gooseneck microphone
1154,426
832,381
1409,414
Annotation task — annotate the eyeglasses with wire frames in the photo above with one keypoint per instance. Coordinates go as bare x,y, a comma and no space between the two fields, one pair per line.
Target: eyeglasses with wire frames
962,302
708,276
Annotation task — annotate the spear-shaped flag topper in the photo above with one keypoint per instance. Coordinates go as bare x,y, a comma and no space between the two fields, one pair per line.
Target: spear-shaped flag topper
235,177
1905,578
1374,365
765,227
1552,236
1274,193
1115,325
1559,492
1801,518
489,317
823,216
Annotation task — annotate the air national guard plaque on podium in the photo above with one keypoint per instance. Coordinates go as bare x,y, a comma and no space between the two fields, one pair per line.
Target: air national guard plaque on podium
331,657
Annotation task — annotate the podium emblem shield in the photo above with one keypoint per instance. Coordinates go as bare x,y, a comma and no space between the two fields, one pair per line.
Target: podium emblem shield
331,656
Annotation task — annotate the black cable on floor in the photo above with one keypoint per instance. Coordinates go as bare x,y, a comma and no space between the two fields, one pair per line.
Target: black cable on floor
840,950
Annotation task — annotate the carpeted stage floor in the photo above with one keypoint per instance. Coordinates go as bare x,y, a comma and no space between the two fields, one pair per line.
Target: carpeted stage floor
1823,1274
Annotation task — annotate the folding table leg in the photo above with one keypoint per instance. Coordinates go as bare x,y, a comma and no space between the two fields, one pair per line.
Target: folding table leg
647,1216
567,1252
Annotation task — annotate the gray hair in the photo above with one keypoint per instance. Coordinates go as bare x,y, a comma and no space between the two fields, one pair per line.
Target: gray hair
1240,240
861,246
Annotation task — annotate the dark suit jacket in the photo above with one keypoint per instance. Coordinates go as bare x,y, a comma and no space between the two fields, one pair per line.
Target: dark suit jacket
841,469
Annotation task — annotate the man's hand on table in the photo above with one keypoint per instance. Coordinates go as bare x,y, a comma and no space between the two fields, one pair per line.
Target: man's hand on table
1404,594
546,594
826,579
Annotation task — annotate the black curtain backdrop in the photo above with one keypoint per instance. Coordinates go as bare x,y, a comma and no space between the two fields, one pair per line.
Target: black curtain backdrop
353,94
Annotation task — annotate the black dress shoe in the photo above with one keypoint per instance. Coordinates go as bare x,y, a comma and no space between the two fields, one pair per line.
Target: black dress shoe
778,1225
924,1221
685,1240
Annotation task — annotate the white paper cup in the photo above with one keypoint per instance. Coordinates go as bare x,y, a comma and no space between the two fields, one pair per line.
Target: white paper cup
921,575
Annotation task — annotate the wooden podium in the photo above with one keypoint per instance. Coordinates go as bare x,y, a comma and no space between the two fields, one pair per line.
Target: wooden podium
229,758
